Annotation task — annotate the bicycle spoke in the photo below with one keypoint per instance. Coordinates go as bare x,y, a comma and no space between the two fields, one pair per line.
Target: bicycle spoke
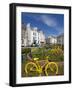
31,69
51,69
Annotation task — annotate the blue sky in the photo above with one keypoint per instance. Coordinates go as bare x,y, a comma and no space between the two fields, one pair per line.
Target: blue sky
50,24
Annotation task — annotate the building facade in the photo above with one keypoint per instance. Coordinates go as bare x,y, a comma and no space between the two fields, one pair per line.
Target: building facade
32,36
55,40
60,39
51,40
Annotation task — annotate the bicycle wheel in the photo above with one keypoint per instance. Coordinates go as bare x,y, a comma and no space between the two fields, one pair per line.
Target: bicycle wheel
51,69
31,69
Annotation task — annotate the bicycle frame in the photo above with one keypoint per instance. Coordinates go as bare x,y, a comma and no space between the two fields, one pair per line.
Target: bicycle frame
39,67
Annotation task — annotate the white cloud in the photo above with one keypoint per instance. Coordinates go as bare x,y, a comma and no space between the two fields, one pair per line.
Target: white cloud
52,22
49,21
60,30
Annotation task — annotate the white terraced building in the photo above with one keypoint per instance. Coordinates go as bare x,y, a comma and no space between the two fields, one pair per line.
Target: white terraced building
60,39
55,40
51,40
31,36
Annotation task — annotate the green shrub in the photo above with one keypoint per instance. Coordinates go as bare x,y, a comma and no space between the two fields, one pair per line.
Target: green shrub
56,54
39,53
26,50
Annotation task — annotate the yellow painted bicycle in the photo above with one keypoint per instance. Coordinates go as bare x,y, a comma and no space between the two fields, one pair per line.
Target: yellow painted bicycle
36,68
